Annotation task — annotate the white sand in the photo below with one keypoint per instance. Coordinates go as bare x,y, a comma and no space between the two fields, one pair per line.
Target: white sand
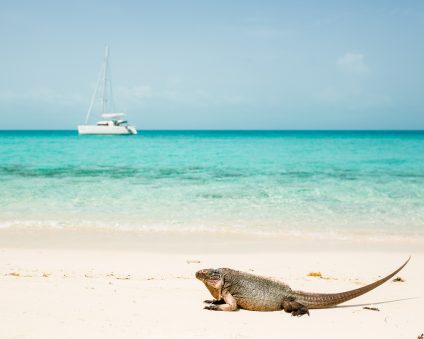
121,285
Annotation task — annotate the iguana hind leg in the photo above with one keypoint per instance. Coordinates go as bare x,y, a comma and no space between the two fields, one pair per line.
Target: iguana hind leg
295,308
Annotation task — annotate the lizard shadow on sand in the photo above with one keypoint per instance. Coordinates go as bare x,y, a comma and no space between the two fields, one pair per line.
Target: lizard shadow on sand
375,303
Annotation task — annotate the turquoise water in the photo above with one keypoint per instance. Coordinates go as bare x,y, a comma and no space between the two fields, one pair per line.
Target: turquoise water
265,182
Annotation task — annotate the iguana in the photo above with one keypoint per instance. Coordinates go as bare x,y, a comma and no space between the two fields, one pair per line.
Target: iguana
235,289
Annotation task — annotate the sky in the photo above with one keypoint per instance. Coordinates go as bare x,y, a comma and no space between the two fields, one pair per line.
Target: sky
218,64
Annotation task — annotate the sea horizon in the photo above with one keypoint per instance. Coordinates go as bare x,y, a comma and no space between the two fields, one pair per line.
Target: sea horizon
228,130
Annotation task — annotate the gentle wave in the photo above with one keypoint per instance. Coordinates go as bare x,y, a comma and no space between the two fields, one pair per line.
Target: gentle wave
375,235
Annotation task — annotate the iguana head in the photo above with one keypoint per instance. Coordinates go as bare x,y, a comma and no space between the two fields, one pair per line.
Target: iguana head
209,274
215,279
210,277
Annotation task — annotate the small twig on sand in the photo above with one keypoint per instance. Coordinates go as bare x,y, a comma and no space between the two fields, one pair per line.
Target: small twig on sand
371,308
191,261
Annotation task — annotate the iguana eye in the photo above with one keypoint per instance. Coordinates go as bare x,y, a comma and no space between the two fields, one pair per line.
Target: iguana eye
215,275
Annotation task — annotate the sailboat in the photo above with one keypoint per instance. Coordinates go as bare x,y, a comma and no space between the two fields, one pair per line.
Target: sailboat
112,123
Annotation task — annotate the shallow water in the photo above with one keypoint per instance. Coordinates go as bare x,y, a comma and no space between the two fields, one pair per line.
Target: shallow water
258,181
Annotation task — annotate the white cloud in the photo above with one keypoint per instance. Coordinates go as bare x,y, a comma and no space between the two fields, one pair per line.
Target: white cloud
174,92
174,81
352,63
42,95
135,93
187,96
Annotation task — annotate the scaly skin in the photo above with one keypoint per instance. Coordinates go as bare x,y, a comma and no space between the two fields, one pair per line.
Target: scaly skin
234,289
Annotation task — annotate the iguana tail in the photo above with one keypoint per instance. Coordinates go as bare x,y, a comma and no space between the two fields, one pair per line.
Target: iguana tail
323,300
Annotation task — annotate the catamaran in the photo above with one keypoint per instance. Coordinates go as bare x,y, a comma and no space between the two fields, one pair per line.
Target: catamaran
112,123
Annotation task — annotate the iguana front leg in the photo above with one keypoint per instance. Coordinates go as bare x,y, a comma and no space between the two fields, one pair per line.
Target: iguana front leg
214,301
229,305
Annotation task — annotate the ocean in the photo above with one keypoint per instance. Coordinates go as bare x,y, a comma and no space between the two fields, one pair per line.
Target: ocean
320,183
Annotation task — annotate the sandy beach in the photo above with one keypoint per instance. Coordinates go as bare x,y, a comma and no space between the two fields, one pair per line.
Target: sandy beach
101,284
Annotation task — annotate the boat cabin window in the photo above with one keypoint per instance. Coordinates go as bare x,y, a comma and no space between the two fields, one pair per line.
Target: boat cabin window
105,123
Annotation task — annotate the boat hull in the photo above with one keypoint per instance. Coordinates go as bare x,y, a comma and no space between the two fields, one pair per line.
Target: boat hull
106,130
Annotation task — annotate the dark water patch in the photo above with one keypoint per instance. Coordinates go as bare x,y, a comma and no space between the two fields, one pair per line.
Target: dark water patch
205,174
181,173
297,174
342,175
168,172
117,172
64,172
410,175
229,173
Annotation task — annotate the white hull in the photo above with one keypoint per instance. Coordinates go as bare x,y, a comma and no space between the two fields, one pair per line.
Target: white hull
105,130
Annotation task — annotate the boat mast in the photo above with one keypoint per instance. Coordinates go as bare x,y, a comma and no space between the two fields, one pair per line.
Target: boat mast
105,74
103,71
